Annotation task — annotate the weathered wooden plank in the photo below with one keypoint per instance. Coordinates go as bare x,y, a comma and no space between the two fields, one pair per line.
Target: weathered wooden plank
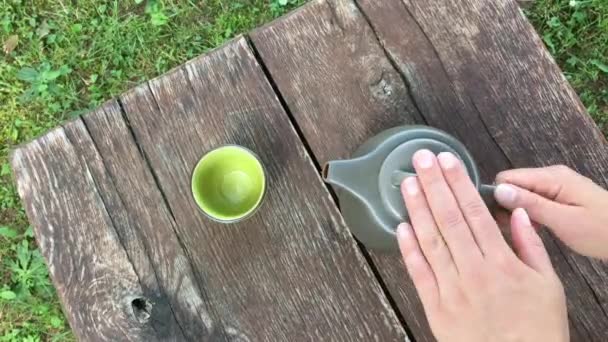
90,269
158,313
523,101
342,89
148,229
303,50
292,270
337,81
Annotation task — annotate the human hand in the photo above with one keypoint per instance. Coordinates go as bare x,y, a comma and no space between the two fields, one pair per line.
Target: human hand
571,205
472,285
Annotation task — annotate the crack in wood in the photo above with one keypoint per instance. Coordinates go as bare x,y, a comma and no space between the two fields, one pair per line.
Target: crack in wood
156,179
484,125
406,78
283,103
335,16
96,186
146,248
406,82
333,195
335,126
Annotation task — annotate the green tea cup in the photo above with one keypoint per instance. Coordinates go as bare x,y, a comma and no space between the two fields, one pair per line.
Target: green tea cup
229,183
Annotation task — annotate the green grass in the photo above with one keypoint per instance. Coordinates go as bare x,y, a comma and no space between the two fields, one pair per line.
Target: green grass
576,34
70,58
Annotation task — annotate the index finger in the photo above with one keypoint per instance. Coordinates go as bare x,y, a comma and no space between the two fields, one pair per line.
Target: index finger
482,224
446,211
557,183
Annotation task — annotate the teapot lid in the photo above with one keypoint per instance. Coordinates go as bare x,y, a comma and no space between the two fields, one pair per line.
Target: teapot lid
383,162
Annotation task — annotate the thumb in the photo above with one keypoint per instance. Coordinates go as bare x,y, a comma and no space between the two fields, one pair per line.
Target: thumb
549,213
558,183
528,244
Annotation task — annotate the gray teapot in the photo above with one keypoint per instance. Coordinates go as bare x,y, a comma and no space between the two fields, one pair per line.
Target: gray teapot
368,186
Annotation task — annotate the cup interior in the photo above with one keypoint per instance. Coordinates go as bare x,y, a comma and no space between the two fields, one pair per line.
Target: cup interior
228,183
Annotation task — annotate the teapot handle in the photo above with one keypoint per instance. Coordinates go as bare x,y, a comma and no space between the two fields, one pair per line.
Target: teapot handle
487,194
485,190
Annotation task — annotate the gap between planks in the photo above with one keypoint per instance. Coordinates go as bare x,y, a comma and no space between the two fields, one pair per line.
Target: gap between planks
333,195
407,83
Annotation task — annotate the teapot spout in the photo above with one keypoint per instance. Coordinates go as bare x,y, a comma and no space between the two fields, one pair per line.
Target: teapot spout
349,175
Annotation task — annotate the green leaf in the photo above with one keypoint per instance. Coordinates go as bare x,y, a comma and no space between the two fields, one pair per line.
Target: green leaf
158,18
152,6
27,74
7,232
51,75
76,28
579,16
51,38
14,134
139,1
6,169
554,22
29,232
28,95
42,87
56,322
572,60
7,294
43,30
603,67
283,2
548,39
64,70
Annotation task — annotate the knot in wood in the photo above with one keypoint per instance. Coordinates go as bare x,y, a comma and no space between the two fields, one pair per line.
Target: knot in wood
381,89
141,309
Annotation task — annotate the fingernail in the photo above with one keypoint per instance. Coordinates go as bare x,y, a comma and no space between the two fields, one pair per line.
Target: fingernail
411,186
447,160
505,195
521,216
404,231
424,159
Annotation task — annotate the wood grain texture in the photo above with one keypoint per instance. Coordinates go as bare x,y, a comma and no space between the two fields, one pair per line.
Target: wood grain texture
110,199
148,233
157,313
134,259
525,105
512,90
292,271
90,269
342,89
334,76
477,89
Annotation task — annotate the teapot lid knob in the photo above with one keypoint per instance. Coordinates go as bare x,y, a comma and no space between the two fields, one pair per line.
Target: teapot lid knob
398,165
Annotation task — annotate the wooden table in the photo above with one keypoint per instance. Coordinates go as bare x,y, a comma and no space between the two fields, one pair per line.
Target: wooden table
132,257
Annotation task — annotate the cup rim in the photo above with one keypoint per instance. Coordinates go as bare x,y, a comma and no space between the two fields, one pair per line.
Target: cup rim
258,204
